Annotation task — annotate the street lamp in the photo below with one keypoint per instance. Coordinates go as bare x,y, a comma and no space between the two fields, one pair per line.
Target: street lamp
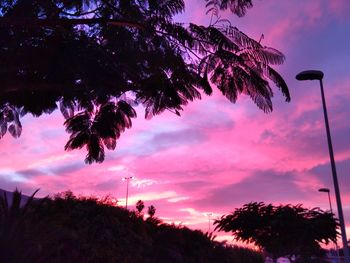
209,217
326,190
127,179
318,75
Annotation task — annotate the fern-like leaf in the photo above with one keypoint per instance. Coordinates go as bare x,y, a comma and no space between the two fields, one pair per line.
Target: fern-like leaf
280,83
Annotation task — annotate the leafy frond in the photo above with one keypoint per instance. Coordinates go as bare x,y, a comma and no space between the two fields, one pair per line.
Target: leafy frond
29,202
4,206
238,7
78,122
110,143
238,37
124,109
3,125
105,122
279,81
171,7
15,129
10,121
67,108
232,75
16,204
220,40
99,129
263,55
95,150
79,127
77,140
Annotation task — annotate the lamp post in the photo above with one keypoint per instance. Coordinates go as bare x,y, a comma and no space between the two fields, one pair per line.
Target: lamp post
209,217
127,179
326,190
318,75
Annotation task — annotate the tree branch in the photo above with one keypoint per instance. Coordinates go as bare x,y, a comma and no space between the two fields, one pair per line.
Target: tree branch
35,22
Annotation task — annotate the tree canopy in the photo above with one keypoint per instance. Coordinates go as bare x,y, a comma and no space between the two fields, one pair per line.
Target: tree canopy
282,231
96,60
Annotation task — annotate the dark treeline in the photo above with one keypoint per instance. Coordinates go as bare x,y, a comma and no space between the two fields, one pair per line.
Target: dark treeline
67,228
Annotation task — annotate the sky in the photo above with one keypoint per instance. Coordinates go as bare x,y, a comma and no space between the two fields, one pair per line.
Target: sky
217,156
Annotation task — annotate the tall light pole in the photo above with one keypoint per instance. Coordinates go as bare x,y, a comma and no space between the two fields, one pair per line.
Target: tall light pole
326,190
209,217
318,75
127,179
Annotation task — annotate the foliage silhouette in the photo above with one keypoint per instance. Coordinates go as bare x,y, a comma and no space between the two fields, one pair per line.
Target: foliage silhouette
13,227
283,231
151,211
97,59
238,7
96,231
26,238
140,205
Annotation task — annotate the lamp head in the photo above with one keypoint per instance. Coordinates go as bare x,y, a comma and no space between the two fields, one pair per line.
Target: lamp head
325,190
310,75
128,178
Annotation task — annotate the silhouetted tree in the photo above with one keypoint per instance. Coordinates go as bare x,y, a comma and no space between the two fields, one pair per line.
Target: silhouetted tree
96,59
67,228
151,211
283,230
140,205
101,232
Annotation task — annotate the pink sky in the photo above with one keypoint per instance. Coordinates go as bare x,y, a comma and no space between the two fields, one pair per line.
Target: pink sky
217,156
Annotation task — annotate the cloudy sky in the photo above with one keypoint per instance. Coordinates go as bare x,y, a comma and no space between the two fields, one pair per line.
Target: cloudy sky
218,156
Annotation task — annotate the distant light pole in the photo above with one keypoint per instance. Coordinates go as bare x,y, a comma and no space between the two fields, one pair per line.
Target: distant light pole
318,75
326,190
127,179
209,217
